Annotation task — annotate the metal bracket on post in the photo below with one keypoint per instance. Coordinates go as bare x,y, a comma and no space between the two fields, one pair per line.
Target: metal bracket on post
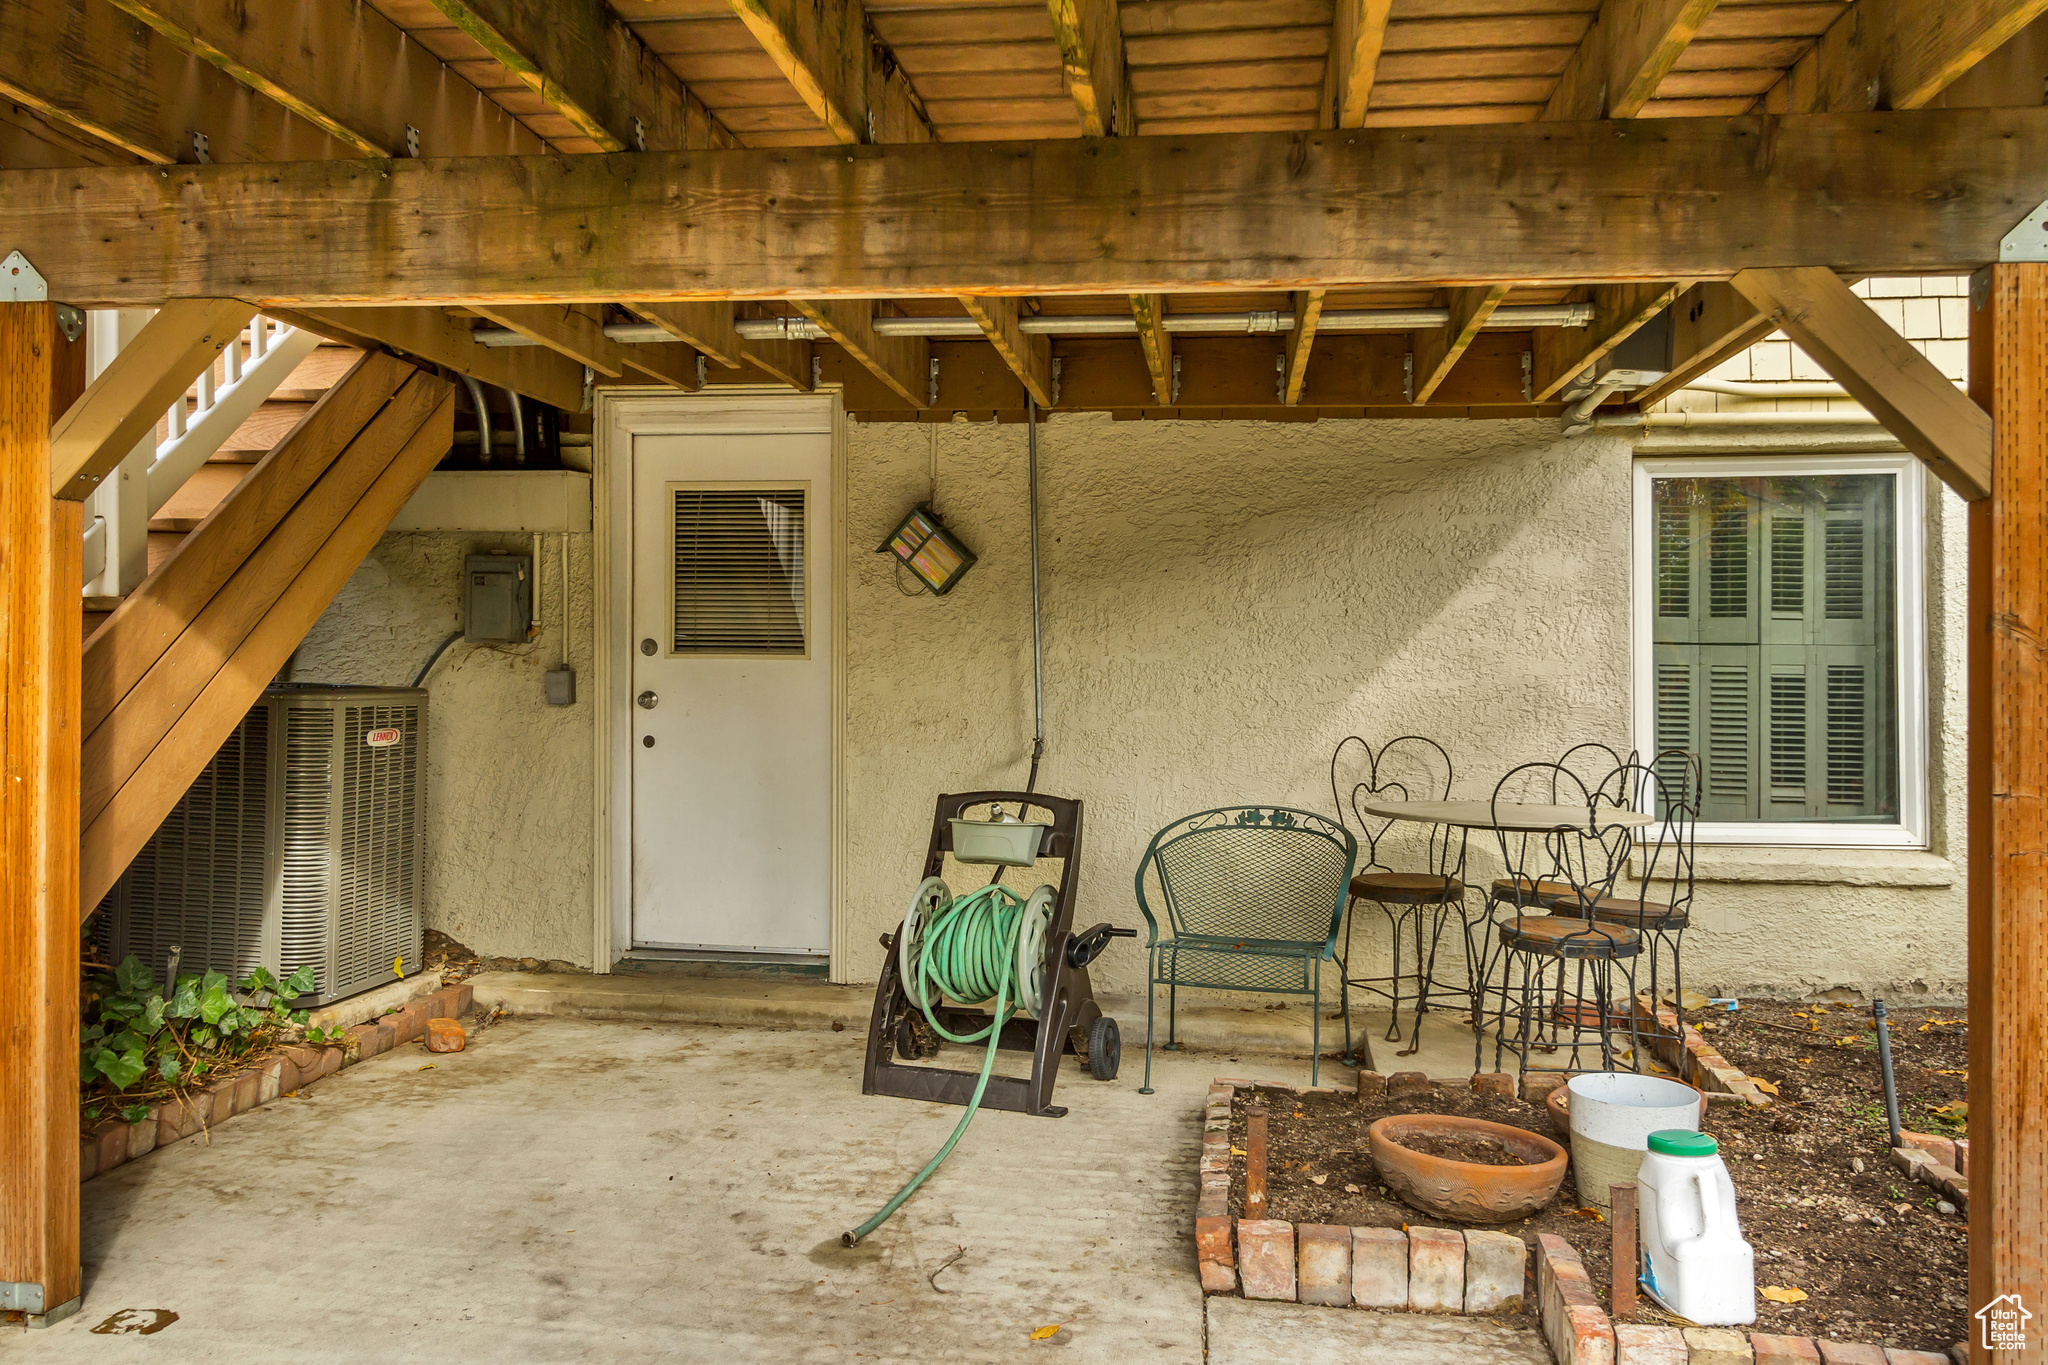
933,400
1408,377
1280,377
412,140
817,372
199,148
1528,377
2028,241
70,321
703,370
21,282
589,388
639,136
1176,379
1055,381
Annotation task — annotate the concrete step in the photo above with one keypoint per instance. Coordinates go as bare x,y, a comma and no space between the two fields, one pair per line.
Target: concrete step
1225,1026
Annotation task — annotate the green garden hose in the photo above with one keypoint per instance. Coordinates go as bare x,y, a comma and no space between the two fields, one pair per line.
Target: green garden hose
966,950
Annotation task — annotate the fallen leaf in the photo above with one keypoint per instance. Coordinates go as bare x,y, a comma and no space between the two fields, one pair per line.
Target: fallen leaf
428,1067
1052,1328
1237,1151
1319,1179
1768,1087
1799,1014
1779,1294
1591,1214
1351,1189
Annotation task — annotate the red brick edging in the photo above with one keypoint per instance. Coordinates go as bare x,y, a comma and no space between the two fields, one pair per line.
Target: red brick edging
112,1142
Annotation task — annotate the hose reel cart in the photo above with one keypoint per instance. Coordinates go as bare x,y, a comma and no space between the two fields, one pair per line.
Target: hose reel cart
1056,998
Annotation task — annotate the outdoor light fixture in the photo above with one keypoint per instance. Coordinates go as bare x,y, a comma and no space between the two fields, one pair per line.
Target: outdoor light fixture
923,545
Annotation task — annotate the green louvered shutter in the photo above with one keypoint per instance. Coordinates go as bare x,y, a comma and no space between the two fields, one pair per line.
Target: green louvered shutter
1774,655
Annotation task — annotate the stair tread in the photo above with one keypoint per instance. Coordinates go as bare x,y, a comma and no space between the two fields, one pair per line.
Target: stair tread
209,484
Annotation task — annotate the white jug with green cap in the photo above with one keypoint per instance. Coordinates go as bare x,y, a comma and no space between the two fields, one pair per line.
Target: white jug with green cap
1695,1261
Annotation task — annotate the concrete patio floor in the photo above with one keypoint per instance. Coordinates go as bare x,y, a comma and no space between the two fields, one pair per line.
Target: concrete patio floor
569,1190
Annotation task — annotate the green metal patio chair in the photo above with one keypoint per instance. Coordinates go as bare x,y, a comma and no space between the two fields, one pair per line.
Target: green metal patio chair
1252,896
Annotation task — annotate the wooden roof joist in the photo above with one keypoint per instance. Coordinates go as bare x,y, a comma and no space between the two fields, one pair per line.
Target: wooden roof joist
1663,199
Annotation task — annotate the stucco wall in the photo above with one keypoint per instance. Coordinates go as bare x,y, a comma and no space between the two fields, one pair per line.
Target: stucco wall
1223,603
508,777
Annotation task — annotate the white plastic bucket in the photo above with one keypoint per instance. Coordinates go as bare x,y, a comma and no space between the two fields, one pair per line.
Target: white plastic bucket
1613,1114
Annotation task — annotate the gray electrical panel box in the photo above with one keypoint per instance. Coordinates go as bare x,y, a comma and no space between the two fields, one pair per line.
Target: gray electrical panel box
497,598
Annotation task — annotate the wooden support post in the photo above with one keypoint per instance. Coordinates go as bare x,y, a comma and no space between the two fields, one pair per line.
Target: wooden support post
1255,1161
2008,810
1308,312
1880,369
41,374
1622,1301
1150,312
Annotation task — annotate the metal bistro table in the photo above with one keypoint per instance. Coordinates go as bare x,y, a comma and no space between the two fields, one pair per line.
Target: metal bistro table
1520,817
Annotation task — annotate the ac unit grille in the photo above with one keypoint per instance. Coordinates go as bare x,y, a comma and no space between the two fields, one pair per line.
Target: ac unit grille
375,909
298,846
198,883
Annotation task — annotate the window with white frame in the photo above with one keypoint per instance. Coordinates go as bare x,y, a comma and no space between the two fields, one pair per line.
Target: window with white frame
1778,636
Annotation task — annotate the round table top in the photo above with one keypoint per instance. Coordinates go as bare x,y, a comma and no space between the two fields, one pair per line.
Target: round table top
1513,815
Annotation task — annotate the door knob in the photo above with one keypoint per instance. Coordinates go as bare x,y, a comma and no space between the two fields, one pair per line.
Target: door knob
648,700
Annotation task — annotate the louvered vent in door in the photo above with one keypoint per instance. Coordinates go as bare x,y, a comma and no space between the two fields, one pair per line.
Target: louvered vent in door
308,843
739,570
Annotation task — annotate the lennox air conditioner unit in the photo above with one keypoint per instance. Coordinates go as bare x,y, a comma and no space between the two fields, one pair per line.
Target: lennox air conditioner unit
299,844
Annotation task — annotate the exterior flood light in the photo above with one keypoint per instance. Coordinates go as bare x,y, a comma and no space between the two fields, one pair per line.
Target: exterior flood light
923,545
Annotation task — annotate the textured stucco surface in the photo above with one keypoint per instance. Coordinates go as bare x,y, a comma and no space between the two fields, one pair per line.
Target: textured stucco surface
1222,603
509,794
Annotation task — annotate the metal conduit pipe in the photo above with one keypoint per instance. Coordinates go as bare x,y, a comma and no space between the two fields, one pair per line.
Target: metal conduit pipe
518,429
1846,418
1211,324
1736,388
483,419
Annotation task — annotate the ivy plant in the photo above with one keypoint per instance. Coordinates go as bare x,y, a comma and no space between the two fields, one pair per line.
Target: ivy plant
135,1043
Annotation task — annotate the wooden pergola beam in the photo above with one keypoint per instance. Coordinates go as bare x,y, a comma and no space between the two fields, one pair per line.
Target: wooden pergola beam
1301,340
1880,369
1358,30
1926,191
106,74
1562,354
586,64
41,374
1896,54
1624,57
432,335
2008,777
830,55
1710,323
902,363
1028,356
1149,311
1438,351
345,69
706,326
1091,41
135,390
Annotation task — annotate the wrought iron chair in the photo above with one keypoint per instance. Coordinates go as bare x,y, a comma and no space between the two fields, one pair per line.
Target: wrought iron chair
1661,864
1251,897
1416,900
1576,864
1590,767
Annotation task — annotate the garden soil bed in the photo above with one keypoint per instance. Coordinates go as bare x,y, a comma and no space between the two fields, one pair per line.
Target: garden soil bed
1877,1260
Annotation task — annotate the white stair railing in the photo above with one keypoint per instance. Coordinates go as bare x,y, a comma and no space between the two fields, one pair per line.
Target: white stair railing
223,407
225,395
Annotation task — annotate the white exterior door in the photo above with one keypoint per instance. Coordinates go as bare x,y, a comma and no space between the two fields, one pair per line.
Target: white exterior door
731,691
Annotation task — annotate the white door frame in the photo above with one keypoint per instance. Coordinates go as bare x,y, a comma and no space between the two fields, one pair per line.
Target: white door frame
621,414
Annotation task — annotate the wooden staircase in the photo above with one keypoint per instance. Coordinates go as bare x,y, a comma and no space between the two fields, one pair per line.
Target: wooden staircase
243,559
225,469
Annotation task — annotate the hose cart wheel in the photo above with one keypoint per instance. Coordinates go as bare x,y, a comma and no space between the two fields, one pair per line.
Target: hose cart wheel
1105,1049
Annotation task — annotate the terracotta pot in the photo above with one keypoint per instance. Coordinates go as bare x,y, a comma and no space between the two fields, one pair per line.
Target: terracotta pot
1466,1191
